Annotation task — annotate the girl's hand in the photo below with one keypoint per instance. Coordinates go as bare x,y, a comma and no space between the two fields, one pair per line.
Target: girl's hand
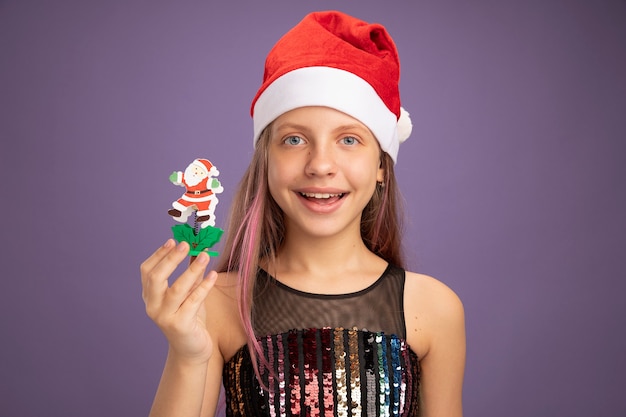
179,310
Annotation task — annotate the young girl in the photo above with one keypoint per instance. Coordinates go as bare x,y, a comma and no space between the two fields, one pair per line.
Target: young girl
312,312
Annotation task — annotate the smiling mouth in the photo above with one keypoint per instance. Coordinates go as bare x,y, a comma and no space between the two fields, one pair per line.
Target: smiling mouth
324,196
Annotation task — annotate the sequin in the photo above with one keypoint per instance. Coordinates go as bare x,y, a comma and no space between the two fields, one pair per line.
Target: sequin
340,374
294,364
325,372
370,372
327,375
383,376
395,371
281,376
355,373
270,383
311,387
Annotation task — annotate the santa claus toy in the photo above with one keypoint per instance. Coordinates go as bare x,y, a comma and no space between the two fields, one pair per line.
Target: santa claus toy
201,188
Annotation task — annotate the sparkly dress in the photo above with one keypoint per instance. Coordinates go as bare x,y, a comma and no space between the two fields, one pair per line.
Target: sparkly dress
330,355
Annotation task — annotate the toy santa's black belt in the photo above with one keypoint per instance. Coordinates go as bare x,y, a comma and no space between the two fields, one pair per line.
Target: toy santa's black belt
197,192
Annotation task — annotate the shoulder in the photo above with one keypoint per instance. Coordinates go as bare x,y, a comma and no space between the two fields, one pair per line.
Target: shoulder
435,325
222,315
432,310
433,294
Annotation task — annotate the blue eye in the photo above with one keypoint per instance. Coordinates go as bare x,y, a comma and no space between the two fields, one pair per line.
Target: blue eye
292,140
349,140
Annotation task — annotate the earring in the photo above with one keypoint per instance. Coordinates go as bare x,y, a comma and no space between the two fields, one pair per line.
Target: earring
380,184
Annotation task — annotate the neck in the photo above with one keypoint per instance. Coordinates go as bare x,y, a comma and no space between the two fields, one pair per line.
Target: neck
325,256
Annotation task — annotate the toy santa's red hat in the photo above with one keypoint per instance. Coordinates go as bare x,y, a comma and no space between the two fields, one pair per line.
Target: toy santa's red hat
206,166
334,60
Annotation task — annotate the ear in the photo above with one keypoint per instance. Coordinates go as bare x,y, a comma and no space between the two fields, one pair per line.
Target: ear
380,174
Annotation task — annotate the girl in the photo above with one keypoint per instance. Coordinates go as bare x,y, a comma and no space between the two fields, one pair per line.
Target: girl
311,312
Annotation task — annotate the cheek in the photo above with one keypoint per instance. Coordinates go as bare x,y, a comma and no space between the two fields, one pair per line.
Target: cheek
365,170
271,182
277,176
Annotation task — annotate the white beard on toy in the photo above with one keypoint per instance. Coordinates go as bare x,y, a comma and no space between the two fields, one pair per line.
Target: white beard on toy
191,178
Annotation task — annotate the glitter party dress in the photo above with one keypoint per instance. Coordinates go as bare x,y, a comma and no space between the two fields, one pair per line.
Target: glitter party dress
330,355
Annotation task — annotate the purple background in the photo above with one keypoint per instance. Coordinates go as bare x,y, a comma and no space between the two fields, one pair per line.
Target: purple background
513,180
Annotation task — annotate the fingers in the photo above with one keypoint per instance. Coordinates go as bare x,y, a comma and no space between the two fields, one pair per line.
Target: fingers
148,265
156,270
178,310
156,257
182,287
196,297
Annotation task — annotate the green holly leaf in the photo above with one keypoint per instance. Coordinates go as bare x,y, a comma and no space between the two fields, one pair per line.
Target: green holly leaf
205,238
184,233
208,237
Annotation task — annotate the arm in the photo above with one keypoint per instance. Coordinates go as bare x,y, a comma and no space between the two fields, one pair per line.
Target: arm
193,367
216,186
176,178
436,330
187,388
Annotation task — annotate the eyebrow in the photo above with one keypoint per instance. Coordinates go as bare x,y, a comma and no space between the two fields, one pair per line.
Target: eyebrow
287,125
296,126
352,126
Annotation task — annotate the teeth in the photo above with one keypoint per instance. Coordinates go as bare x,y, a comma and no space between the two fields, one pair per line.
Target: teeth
320,195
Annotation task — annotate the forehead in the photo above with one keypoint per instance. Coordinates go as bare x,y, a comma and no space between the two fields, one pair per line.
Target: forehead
319,118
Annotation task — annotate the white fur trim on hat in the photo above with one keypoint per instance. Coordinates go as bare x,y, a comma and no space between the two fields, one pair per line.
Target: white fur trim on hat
329,87
404,125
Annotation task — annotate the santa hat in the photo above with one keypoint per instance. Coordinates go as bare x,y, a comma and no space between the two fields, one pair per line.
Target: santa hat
206,166
334,60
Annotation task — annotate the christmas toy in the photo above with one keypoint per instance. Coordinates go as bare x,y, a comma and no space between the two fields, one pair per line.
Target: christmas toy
199,201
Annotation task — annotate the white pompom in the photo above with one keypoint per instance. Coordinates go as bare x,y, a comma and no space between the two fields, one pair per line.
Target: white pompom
404,125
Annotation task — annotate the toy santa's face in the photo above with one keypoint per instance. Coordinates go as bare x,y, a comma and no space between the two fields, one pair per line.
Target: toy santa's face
195,171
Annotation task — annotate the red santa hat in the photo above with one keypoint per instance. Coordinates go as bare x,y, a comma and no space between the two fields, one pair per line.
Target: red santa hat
334,60
206,166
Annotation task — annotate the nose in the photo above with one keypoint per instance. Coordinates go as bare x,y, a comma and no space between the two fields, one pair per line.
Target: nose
321,161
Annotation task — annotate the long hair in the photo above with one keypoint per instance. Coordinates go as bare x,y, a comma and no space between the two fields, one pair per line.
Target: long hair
383,217
256,231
